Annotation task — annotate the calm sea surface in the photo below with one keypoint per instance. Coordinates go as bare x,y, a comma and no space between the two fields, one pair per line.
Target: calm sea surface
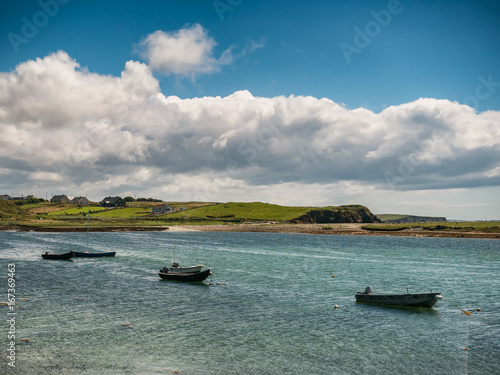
270,309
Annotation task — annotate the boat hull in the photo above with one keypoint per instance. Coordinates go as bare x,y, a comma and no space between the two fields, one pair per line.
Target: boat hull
65,256
192,277
410,300
79,254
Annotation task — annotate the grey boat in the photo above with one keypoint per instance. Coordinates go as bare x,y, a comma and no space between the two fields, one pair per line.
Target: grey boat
408,299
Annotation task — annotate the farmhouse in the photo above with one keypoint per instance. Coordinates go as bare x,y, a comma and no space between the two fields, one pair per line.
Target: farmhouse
59,199
80,200
5,197
112,202
163,208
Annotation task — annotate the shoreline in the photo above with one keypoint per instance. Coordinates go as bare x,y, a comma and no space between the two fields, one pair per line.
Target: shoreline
353,229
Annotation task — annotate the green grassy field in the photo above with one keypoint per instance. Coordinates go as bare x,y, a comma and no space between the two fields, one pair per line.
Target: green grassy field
127,212
241,212
76,211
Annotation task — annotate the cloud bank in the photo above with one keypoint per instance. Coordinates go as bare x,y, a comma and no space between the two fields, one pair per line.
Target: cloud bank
69,130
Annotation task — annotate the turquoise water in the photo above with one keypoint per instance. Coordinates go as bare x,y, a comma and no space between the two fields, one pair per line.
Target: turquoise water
270,309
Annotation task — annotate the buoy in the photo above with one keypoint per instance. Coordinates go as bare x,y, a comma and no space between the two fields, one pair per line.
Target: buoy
333,275
336,307
478,309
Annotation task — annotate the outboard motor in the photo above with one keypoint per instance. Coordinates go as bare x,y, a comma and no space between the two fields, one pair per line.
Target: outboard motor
368,290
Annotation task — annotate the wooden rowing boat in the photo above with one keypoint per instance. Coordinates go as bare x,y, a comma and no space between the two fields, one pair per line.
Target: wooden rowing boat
408,299
65,256
192,277
80,254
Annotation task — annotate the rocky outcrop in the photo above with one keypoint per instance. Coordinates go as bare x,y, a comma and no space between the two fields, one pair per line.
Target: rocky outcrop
341,214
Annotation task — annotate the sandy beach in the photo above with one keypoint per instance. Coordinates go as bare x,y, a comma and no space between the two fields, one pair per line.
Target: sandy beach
332,229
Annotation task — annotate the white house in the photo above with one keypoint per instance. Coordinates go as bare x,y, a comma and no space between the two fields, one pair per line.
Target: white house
163,209
80,200
59,199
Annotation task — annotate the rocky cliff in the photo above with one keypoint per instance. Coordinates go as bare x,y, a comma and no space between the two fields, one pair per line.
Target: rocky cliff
341,214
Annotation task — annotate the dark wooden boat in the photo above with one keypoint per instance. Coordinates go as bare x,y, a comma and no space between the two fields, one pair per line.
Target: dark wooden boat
192,277
64,256
408,299
80,254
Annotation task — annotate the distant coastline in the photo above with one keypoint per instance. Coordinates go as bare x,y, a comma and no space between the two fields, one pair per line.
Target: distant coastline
231,217
353,229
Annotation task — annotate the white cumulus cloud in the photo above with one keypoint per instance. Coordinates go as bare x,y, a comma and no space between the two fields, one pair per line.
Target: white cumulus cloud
73,131
186,52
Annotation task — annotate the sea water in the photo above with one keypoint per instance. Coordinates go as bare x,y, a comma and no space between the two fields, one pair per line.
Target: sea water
268,308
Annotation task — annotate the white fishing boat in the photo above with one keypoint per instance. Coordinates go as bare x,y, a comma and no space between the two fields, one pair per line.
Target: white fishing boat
408,299
190,269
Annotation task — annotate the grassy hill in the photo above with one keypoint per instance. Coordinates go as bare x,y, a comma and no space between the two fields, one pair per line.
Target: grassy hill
194,213
10,211
241,212
257,211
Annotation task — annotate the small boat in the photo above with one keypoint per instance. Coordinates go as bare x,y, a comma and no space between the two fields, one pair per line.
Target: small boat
86,254
64,256
408,299
80,254
192,277
176,268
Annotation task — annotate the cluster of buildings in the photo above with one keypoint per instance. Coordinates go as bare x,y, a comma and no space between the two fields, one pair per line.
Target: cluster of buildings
6,197
106,202
64,199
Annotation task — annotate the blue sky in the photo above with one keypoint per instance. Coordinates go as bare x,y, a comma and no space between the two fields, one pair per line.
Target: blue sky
432,49
372,59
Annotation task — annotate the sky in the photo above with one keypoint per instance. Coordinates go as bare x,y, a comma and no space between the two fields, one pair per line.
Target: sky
391,104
